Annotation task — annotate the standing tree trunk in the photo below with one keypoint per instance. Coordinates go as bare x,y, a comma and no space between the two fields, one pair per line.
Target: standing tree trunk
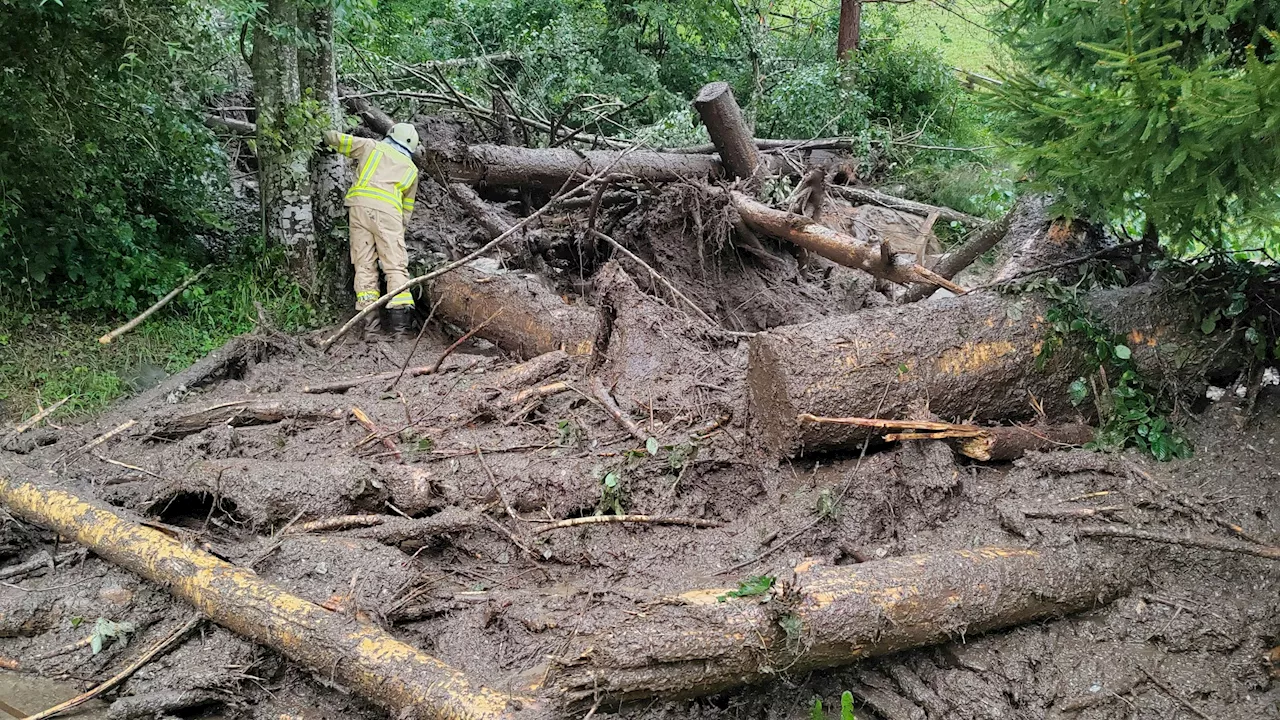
284,178
318,69
847,40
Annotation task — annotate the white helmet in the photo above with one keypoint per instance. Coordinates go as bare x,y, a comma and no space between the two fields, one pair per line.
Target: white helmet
406,135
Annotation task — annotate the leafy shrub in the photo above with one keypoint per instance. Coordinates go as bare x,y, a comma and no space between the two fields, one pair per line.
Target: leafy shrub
109,174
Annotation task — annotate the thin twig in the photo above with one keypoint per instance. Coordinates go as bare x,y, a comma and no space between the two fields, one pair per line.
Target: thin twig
35,419
1170,692
333,524
1194,541
106,339
372,427
651,519
467,336
417,340
610,406
165,644
144,471
98,440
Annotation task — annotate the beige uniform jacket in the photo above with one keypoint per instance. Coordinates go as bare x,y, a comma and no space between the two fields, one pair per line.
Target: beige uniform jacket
386,179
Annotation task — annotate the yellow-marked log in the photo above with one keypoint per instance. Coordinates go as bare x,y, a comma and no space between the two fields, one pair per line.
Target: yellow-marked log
822,616
974,359
361,656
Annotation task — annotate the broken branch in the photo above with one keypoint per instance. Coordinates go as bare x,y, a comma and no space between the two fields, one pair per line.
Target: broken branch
610,406
106,339
602,519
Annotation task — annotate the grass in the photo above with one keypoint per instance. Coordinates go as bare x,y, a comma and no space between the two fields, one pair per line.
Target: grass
47,354
958,28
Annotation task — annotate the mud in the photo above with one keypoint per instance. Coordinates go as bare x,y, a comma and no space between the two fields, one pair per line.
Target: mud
499,601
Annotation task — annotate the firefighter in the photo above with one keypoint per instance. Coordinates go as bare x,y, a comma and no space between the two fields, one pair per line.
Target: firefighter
379,204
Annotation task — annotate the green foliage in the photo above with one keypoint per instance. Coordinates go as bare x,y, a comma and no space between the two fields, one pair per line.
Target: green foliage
108,176
104,630
753,586
846,708
1134,410
1164,107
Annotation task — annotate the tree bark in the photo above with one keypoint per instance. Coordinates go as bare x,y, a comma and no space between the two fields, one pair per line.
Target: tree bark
973,358
833,244
530,319
361,656
284,178
549,168
329,177
260,410
728,130
847,39
705,641
983,239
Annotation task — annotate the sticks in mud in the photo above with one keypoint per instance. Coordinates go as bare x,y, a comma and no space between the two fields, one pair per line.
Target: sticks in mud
619,415
408,683
1000,442
606,519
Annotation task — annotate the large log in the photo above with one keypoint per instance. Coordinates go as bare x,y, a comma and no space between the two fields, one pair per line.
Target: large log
878,260
979,242
728,130
359,655
527,318
705,641
973,358
549,168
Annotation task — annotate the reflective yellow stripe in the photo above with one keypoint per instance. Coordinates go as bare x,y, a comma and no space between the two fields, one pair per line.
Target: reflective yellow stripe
367,295
404,298
344,145
377,194
403,186
370,165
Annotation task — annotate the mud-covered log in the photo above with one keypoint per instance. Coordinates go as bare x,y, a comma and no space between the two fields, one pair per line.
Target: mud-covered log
704,641
359,655
1010,442
249,411
528,318
973,358
834,245
728,130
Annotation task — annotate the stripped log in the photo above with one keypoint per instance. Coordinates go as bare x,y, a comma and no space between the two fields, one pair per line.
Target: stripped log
361,656
534,319
836,246
999,442
249,411
531,371
706,641
973,358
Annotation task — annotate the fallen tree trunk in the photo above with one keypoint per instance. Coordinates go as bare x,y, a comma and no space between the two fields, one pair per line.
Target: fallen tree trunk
250,411
729,132
875,197
836,246
549,168
705,641
982,240
361,656
528,318
973,358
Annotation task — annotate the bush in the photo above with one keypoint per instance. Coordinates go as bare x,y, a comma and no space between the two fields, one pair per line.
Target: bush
109,174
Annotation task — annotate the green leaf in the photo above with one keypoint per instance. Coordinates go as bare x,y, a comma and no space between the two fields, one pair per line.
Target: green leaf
95,643
651,445
846,706
611,480
816,713
752,586
1123,352
1078,390
1208,324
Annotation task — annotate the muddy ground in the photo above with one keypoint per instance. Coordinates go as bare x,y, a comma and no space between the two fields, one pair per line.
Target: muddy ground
228,458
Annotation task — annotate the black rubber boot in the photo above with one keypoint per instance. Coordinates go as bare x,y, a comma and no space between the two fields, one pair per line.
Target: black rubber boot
372,325
400,321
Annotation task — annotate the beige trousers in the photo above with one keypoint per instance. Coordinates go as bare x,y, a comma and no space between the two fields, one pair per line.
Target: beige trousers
378,237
